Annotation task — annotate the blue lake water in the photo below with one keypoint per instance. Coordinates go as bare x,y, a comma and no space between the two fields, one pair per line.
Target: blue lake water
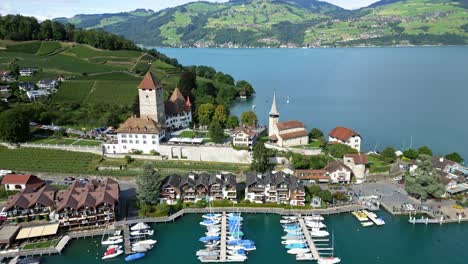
392,96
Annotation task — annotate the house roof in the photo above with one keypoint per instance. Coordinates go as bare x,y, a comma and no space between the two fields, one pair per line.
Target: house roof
441,162
274,179
311,174
4,73
274,109
289,125
171,181
28,180
246,130
29,197
176,104
150,82
291,135
358,158
336,165
137,125
342,133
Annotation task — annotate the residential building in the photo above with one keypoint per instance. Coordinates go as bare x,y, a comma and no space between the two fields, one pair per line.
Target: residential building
36,94
196,187
345,136
26,72
17,182
80,204
48,84
312,176
358,164
278,188
26,86
446,165
5,75
244,136
5,88
285,134
178,111
338,172
6,97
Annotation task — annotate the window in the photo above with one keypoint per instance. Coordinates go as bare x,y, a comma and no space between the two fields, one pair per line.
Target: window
124,147
130,136
131,141
153,136
137,142
154,142
124,141
147,96
144,136
136,136
144,141
124,135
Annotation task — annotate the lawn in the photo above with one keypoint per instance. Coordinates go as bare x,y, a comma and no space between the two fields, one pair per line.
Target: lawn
66,141
41,244
311,145
193,134
377,164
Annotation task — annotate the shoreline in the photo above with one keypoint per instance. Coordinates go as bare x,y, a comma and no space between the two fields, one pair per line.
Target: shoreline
339,47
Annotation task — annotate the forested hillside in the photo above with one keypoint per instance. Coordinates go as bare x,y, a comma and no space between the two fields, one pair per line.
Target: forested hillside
290,23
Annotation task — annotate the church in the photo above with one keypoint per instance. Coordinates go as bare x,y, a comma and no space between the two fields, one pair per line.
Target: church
288,133
145,133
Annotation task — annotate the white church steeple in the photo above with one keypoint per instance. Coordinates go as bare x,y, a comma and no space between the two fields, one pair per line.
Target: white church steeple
273,117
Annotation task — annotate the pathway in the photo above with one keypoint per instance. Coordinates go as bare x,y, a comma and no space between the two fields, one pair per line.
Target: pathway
308,238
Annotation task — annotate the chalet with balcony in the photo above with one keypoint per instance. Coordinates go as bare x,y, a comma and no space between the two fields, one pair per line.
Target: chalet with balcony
170,192
16,182
31,203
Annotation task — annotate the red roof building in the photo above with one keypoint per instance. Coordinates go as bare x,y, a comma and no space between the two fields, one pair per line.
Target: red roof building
345,136
150,82
15,182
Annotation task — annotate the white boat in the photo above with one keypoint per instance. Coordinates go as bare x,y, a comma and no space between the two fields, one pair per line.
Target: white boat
306,256
144,232
139,226
145,242
112,240
290,217
298,251
314,218
141,248
114,247
330,260
293,241
319,233
315,224
291,237
116,253
367,223
286,221
207,253
237,257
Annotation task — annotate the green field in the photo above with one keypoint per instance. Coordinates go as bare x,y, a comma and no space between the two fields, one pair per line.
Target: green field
66,141
377,164
48,47
41,244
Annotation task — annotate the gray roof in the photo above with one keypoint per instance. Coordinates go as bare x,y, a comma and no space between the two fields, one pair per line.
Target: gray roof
273,179
172,181
7,233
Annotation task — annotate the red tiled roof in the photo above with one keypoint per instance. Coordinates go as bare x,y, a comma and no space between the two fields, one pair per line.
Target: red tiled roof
342,133
150,82
311,174
336,165
292,135
358,158
246,130
176,104
289,125
23,179
137,125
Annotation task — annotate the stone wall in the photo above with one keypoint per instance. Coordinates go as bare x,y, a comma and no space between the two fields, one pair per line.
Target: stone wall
87,149
205,153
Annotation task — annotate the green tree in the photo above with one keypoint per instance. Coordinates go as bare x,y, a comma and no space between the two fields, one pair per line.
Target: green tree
424,182
339,150
411,154
389,154
326,196
261,158
187,83
205,114
425,150
454,156
232,122
14,126
315,133
220,114
216,132
249,118
224,78
148,183
245,86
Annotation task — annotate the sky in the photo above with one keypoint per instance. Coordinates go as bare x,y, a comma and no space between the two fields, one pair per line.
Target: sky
43,9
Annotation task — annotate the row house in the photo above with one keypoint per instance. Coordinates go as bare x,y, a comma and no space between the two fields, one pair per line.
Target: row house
279,188
197,187
90,203
334,172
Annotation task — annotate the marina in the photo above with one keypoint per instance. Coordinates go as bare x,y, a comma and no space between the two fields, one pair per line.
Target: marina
374,218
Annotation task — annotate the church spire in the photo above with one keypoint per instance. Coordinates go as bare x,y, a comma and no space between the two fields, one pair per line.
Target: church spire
274,109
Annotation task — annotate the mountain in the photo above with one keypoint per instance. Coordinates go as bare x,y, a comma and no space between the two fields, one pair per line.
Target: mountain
277,23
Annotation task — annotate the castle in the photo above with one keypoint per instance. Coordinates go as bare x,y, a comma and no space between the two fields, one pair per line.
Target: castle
144,133
285,134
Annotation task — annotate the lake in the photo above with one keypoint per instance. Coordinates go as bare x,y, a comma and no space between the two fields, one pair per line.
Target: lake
395,242
401,97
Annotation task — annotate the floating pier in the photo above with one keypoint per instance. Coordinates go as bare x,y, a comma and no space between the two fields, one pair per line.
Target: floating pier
128,244
308,237
373,218
222,256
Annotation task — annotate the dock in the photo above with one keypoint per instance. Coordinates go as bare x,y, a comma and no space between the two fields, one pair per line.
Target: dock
128,245
372,217
222,256
308,237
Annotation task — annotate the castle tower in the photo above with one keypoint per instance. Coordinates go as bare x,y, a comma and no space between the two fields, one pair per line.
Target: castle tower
273,118
151,95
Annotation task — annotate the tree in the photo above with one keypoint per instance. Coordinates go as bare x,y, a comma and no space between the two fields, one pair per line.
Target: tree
411,154
245,86
223,78
205,114
249,118
454,157
187,82
216,132
232,122
424,182
339,150
315,133
261,158
14,126
220,114
425,150
326,196
389,154
148,183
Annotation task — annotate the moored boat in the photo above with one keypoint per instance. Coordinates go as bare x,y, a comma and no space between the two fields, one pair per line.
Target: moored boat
134,256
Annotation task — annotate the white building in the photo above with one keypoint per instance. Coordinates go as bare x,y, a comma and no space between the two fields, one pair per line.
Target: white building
178,111
17,182
35,94
244,137
285,134
48,84
345,136
26,72
357,163
338,172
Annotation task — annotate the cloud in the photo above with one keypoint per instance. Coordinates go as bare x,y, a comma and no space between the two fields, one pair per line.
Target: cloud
351,4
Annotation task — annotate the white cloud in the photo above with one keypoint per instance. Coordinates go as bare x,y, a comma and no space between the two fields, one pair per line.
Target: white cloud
351,4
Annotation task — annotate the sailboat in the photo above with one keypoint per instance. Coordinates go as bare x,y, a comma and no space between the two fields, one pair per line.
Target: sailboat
332,259
287,100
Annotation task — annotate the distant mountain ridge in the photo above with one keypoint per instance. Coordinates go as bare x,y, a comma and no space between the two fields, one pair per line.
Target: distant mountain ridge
289,23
